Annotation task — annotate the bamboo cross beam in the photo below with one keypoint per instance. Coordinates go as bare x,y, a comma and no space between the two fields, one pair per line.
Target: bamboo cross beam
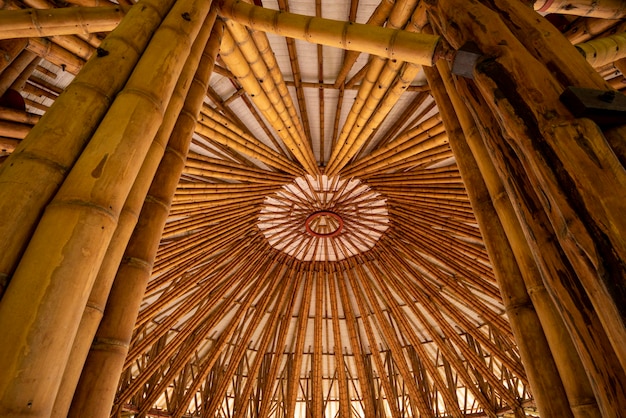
35,23
395,44
602,51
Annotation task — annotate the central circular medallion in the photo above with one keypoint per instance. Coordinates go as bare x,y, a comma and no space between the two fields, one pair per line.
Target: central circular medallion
321,218
324,224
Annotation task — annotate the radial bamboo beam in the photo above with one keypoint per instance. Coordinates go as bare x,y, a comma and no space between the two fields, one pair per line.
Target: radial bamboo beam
232,56
389,43
32,23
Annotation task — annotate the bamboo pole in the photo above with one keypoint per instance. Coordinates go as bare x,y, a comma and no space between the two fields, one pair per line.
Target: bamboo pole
236,62
9,50
131,279
579,182
577,387
602,51
389,43
13,115
15,69
127,221
591,343
548,389
57,55
32,23
42,161
82,219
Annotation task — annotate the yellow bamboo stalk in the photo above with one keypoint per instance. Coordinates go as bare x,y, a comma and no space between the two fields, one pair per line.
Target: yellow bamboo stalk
74,232
15,69
258,53
41,162
389,43
9,50
55,54
221,130
602,51
114,333
14,130
13,115
127,221
605,9
236,62
32,23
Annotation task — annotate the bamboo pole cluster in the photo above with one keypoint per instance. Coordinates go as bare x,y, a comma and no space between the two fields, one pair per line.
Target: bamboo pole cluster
548,221
88,204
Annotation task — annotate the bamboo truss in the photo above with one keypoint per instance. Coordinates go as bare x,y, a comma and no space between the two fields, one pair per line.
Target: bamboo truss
298,231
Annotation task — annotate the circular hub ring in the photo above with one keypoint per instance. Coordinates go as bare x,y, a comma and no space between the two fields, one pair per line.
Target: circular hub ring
319,214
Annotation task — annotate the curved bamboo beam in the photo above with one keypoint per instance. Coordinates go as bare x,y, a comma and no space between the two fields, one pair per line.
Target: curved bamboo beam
33,23
389,43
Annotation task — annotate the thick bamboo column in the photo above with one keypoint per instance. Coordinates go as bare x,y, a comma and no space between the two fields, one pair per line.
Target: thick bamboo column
384,42
579,392
27,23
39,165
127,221
543,375
96,391
600,363
65,252
582,183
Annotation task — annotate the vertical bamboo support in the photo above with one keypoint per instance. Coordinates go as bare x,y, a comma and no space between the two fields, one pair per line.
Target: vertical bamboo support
582,183
127,221
576,384
37,168
96,390
542,373
65,252
600,363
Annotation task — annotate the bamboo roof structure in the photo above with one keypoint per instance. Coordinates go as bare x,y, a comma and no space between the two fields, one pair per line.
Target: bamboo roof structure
322,254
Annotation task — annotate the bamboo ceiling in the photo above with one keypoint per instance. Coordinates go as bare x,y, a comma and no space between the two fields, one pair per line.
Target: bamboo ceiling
321,251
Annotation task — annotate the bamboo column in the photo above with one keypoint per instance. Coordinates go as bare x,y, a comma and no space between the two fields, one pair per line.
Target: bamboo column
127,221
583,184
569,219
96,391
543,375
39,165
573,377
65,252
